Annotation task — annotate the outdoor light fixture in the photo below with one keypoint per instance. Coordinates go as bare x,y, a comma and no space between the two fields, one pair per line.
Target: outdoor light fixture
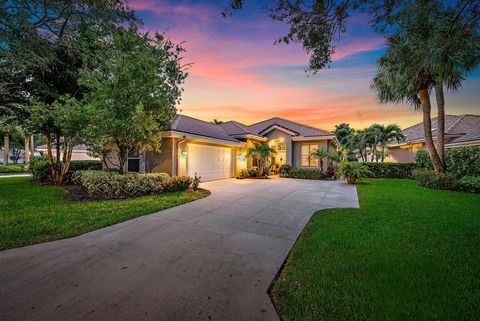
241,156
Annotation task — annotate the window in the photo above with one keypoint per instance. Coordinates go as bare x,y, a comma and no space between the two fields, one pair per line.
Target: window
133,162
307,159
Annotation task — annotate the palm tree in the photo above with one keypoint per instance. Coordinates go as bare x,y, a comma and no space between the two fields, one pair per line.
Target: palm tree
386,134
262,152
433,48
322,154
217,121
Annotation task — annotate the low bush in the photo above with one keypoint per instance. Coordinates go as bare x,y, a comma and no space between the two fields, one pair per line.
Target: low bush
284,170
177,183
462,161
306,174
111,185
469,184
40,168
12,169
391,170
430,179
352,171
249,173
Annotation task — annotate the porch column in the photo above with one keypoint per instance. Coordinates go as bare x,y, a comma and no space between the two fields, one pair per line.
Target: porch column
289,151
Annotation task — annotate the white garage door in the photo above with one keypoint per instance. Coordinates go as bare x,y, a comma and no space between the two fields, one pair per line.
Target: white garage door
209,162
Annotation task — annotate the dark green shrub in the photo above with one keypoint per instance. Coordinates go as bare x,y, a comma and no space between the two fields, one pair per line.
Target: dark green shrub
249,173
111,185
353,170
428,178
391,170
422,159
306,174
462,161
178,183
12,169
470,184
40,168
285,170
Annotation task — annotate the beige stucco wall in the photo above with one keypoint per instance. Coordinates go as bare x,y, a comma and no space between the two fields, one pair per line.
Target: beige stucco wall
297,152
404,154
161,161
278,134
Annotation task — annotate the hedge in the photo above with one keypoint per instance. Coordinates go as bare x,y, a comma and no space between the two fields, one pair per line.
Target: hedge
462,161
12,169
305,174
391,170
428,178
40,168
112,185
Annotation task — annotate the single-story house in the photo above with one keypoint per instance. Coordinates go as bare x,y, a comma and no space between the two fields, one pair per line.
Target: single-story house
79,152
460,131
217,151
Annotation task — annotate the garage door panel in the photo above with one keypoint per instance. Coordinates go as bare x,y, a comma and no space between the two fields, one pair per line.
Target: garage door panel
209,162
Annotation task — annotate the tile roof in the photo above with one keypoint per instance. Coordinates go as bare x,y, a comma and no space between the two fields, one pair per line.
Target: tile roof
469,128
194,126
299,129
235,128
465,127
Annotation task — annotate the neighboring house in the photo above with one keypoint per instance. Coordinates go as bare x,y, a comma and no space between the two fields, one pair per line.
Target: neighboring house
80,152
460,131
216,151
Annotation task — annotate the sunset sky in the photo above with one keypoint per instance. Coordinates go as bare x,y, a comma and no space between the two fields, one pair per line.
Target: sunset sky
238,74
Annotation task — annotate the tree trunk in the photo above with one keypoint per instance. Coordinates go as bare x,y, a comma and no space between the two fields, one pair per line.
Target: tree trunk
440,122
32,146
6,147
53,173
383,153
27,149
427,130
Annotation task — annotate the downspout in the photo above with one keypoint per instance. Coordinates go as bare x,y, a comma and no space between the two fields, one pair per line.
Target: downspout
175,156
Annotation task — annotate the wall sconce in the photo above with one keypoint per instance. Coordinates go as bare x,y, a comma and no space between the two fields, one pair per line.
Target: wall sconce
184,152
241,156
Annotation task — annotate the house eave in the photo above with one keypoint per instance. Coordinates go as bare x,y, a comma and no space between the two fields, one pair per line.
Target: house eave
272,127
308,138
203,139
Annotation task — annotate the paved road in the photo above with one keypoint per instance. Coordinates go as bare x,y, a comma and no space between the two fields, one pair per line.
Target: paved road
212,259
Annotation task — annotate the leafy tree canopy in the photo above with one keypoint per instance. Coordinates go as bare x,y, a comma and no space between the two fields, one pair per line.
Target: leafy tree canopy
133,91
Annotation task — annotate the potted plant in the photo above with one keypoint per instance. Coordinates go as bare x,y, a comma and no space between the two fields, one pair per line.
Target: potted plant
352,171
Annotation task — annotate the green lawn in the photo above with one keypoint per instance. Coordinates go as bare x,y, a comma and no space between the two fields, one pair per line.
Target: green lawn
408,253
34,214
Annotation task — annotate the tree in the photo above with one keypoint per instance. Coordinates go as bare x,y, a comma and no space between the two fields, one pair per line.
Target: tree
425,54
343,132
262,152
217,121
318,24
322,154
43,46
133,91
384,135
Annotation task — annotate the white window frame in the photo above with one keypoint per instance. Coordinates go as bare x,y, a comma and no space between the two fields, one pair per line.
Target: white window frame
310,157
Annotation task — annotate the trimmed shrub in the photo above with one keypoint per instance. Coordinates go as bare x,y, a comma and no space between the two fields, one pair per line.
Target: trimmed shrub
40,168
430,179
285,170
178,183
306,174
12,169
462,161
249,173
111,185
391,170
469,184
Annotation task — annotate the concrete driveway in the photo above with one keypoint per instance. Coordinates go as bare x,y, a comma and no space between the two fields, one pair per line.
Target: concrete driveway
212,259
